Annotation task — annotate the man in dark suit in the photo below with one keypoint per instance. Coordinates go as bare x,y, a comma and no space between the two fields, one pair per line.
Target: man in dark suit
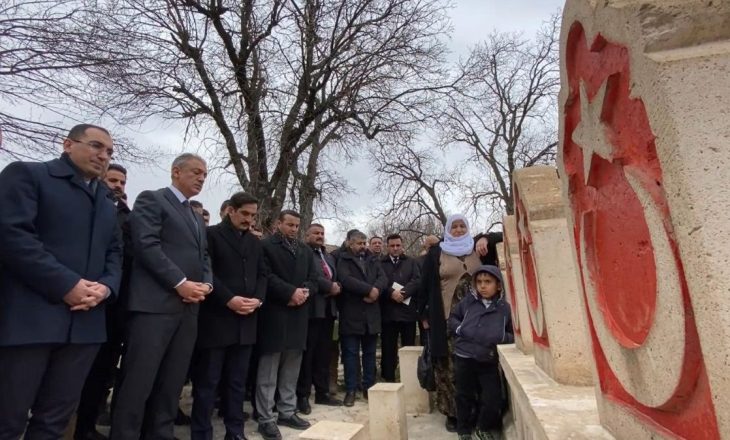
398,305
170,276
322,312
362,281
98,383
60,262
227,320
292,279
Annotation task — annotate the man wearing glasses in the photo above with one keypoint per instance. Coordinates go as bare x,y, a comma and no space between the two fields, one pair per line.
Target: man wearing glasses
60,261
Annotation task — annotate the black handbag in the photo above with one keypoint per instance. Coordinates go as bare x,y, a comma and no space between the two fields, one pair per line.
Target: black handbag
425,367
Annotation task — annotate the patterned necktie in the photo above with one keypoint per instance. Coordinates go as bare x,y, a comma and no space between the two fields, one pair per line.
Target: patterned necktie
191,214
325,266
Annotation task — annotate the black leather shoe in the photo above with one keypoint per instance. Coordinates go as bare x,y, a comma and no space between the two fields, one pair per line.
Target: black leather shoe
269,431
235,437
451,424
182,419
294,422
349,399
327,400
303,405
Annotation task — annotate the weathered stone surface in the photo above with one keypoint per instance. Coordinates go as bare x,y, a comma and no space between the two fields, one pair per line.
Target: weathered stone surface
559,332
544,409
387,409
515,285
417,400
645,163
329,430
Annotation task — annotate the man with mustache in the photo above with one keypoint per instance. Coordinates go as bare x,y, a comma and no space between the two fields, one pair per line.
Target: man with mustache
60,263
227,320
171,276
97,386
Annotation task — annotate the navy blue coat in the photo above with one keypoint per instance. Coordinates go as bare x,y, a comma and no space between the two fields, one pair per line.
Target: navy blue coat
479,329
53,232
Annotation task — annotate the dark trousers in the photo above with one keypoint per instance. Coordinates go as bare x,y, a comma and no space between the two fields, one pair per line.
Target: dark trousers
154,368
97,386
389,345
211,367
351,345
316,360
478,393
45,379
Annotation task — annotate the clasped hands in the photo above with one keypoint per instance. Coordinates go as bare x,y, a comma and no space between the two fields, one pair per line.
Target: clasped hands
193,292
299,297
372,296
243,305
85,295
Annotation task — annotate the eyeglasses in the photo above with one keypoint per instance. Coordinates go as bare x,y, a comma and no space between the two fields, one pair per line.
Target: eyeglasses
98,146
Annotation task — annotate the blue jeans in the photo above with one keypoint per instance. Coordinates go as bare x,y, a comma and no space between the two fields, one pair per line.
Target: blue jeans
351,355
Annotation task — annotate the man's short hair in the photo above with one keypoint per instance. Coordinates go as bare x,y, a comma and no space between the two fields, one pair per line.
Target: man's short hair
117,167
239,199
393,237
184,158
225,204
357,235
315,225
196,204
375,237
350,232
79,130
290,212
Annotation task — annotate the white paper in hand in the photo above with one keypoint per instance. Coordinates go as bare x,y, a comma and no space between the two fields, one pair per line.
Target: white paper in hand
397,286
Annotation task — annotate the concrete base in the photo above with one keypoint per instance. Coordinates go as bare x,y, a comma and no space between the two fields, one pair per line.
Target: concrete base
417,399
328,430
387,410
542,408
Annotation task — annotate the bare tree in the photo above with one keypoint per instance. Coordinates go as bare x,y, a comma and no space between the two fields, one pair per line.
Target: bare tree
412,233
271,85
41,82
504,112
414,185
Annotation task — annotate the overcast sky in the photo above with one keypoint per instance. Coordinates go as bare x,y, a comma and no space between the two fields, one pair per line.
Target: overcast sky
472,20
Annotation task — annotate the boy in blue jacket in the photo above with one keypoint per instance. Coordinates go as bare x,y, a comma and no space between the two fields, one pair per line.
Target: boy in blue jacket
480,321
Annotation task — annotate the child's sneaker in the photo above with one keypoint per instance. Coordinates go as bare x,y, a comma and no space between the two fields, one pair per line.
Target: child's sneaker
487,435
465,437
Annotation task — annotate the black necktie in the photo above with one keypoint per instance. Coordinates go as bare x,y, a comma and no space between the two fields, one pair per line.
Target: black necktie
190,212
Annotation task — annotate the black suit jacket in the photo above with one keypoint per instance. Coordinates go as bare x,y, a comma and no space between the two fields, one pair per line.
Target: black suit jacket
407,273
238,270
282,327
357,278
168,246
53,231
322,305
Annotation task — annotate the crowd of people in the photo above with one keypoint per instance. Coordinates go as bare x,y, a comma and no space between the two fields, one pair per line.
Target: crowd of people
88,284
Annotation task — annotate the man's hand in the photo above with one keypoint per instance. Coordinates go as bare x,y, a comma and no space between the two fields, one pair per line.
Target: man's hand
243,305
397,296
335,290
424,322
85,295
482,249
374,294
192,292
298,297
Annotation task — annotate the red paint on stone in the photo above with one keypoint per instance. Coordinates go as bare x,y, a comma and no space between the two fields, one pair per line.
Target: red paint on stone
617,234
529,274
516,325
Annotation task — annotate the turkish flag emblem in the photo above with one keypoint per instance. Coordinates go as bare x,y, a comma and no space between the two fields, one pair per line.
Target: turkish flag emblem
643,333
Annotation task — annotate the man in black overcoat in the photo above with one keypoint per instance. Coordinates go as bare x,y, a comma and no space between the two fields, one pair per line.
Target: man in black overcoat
60,263
227,320
315,368
362,281
399,311
292,277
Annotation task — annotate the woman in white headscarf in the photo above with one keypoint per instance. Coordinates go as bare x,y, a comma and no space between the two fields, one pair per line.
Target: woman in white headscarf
445,279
